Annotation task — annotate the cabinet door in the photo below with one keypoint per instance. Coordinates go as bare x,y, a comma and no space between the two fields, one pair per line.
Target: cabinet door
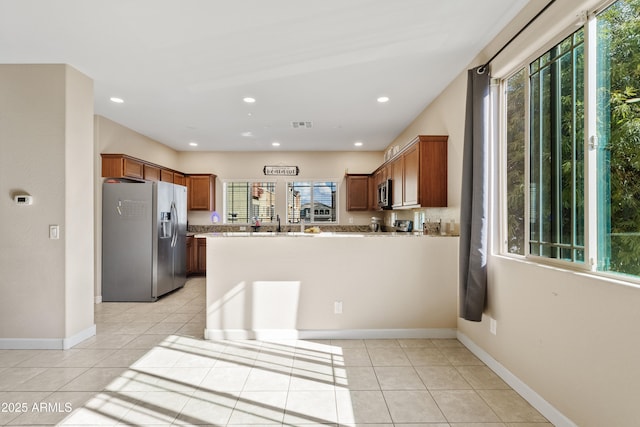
202,255
373,193
385,173
166,176
411,176
132,168
179,179
377,177
111,166
192,255
433,171
151,173
396,182
201,192
357,192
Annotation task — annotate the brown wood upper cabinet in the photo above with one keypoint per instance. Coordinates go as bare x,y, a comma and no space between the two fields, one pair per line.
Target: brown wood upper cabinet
411,176
418,173
201,192
121,166
179,178
151,173
425,172
362,189
373,193
397,182
124,166
201,188
358,189
418,176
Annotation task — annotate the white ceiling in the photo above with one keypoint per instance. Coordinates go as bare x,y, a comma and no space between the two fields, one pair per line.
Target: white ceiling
183,67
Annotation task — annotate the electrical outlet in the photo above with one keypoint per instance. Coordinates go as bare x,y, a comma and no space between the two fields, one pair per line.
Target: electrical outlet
337,307
493,326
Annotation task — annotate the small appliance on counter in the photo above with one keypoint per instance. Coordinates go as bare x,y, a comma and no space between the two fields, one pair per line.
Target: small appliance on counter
403,225
376,225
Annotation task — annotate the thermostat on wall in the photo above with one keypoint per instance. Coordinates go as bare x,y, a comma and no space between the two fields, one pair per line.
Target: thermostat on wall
23,199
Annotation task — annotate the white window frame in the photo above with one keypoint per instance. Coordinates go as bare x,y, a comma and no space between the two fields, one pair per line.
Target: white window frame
225,214
313,181
590,155
590,177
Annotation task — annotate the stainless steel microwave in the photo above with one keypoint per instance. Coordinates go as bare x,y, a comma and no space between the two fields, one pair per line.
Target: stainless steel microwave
384,194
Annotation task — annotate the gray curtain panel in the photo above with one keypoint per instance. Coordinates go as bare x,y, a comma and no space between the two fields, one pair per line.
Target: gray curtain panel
474,199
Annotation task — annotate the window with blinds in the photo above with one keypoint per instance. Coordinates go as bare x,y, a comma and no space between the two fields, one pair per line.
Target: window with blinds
247,201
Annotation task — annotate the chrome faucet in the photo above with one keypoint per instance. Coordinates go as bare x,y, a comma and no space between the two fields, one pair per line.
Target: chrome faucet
279,228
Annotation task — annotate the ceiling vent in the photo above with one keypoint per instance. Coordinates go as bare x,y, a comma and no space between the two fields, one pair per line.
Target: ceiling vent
297,125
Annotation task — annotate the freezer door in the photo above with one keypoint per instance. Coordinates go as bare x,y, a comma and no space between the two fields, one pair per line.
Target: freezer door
127,233
165,224
180,249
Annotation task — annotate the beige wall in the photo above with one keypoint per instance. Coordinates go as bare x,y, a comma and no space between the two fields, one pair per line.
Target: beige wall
46,146
443,117
416,298
117,139
313,165
569,337
79,202
111,137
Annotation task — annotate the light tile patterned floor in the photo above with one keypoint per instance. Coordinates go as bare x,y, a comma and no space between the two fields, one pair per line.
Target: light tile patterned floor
148,365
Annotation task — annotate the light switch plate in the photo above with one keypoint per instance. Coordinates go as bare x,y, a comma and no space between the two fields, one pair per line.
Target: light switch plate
54,232
337,307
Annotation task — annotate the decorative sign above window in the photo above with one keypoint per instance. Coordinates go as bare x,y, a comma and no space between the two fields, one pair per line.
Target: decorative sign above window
281,170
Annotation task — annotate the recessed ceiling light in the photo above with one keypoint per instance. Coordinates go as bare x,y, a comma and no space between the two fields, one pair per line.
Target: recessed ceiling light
358,144
193,144
249,100
116,100
383,99
275,144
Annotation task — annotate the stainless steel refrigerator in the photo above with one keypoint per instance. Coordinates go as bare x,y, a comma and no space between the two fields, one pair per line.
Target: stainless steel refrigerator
144,227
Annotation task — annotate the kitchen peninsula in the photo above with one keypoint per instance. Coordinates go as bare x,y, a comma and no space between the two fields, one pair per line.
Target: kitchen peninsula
330,285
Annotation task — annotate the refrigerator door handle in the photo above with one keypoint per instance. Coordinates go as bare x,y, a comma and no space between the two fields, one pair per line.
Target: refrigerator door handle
174,220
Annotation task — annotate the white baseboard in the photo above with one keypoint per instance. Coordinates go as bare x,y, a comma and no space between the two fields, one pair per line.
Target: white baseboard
79,337
46,343
98,299
336,334
556,417
30,344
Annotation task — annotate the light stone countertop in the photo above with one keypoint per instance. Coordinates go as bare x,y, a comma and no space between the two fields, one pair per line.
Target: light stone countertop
322,234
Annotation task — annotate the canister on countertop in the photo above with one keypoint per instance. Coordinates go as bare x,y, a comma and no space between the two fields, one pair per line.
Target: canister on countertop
431,228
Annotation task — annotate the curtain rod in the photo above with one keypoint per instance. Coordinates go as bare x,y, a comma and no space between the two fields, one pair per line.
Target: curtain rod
484,67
